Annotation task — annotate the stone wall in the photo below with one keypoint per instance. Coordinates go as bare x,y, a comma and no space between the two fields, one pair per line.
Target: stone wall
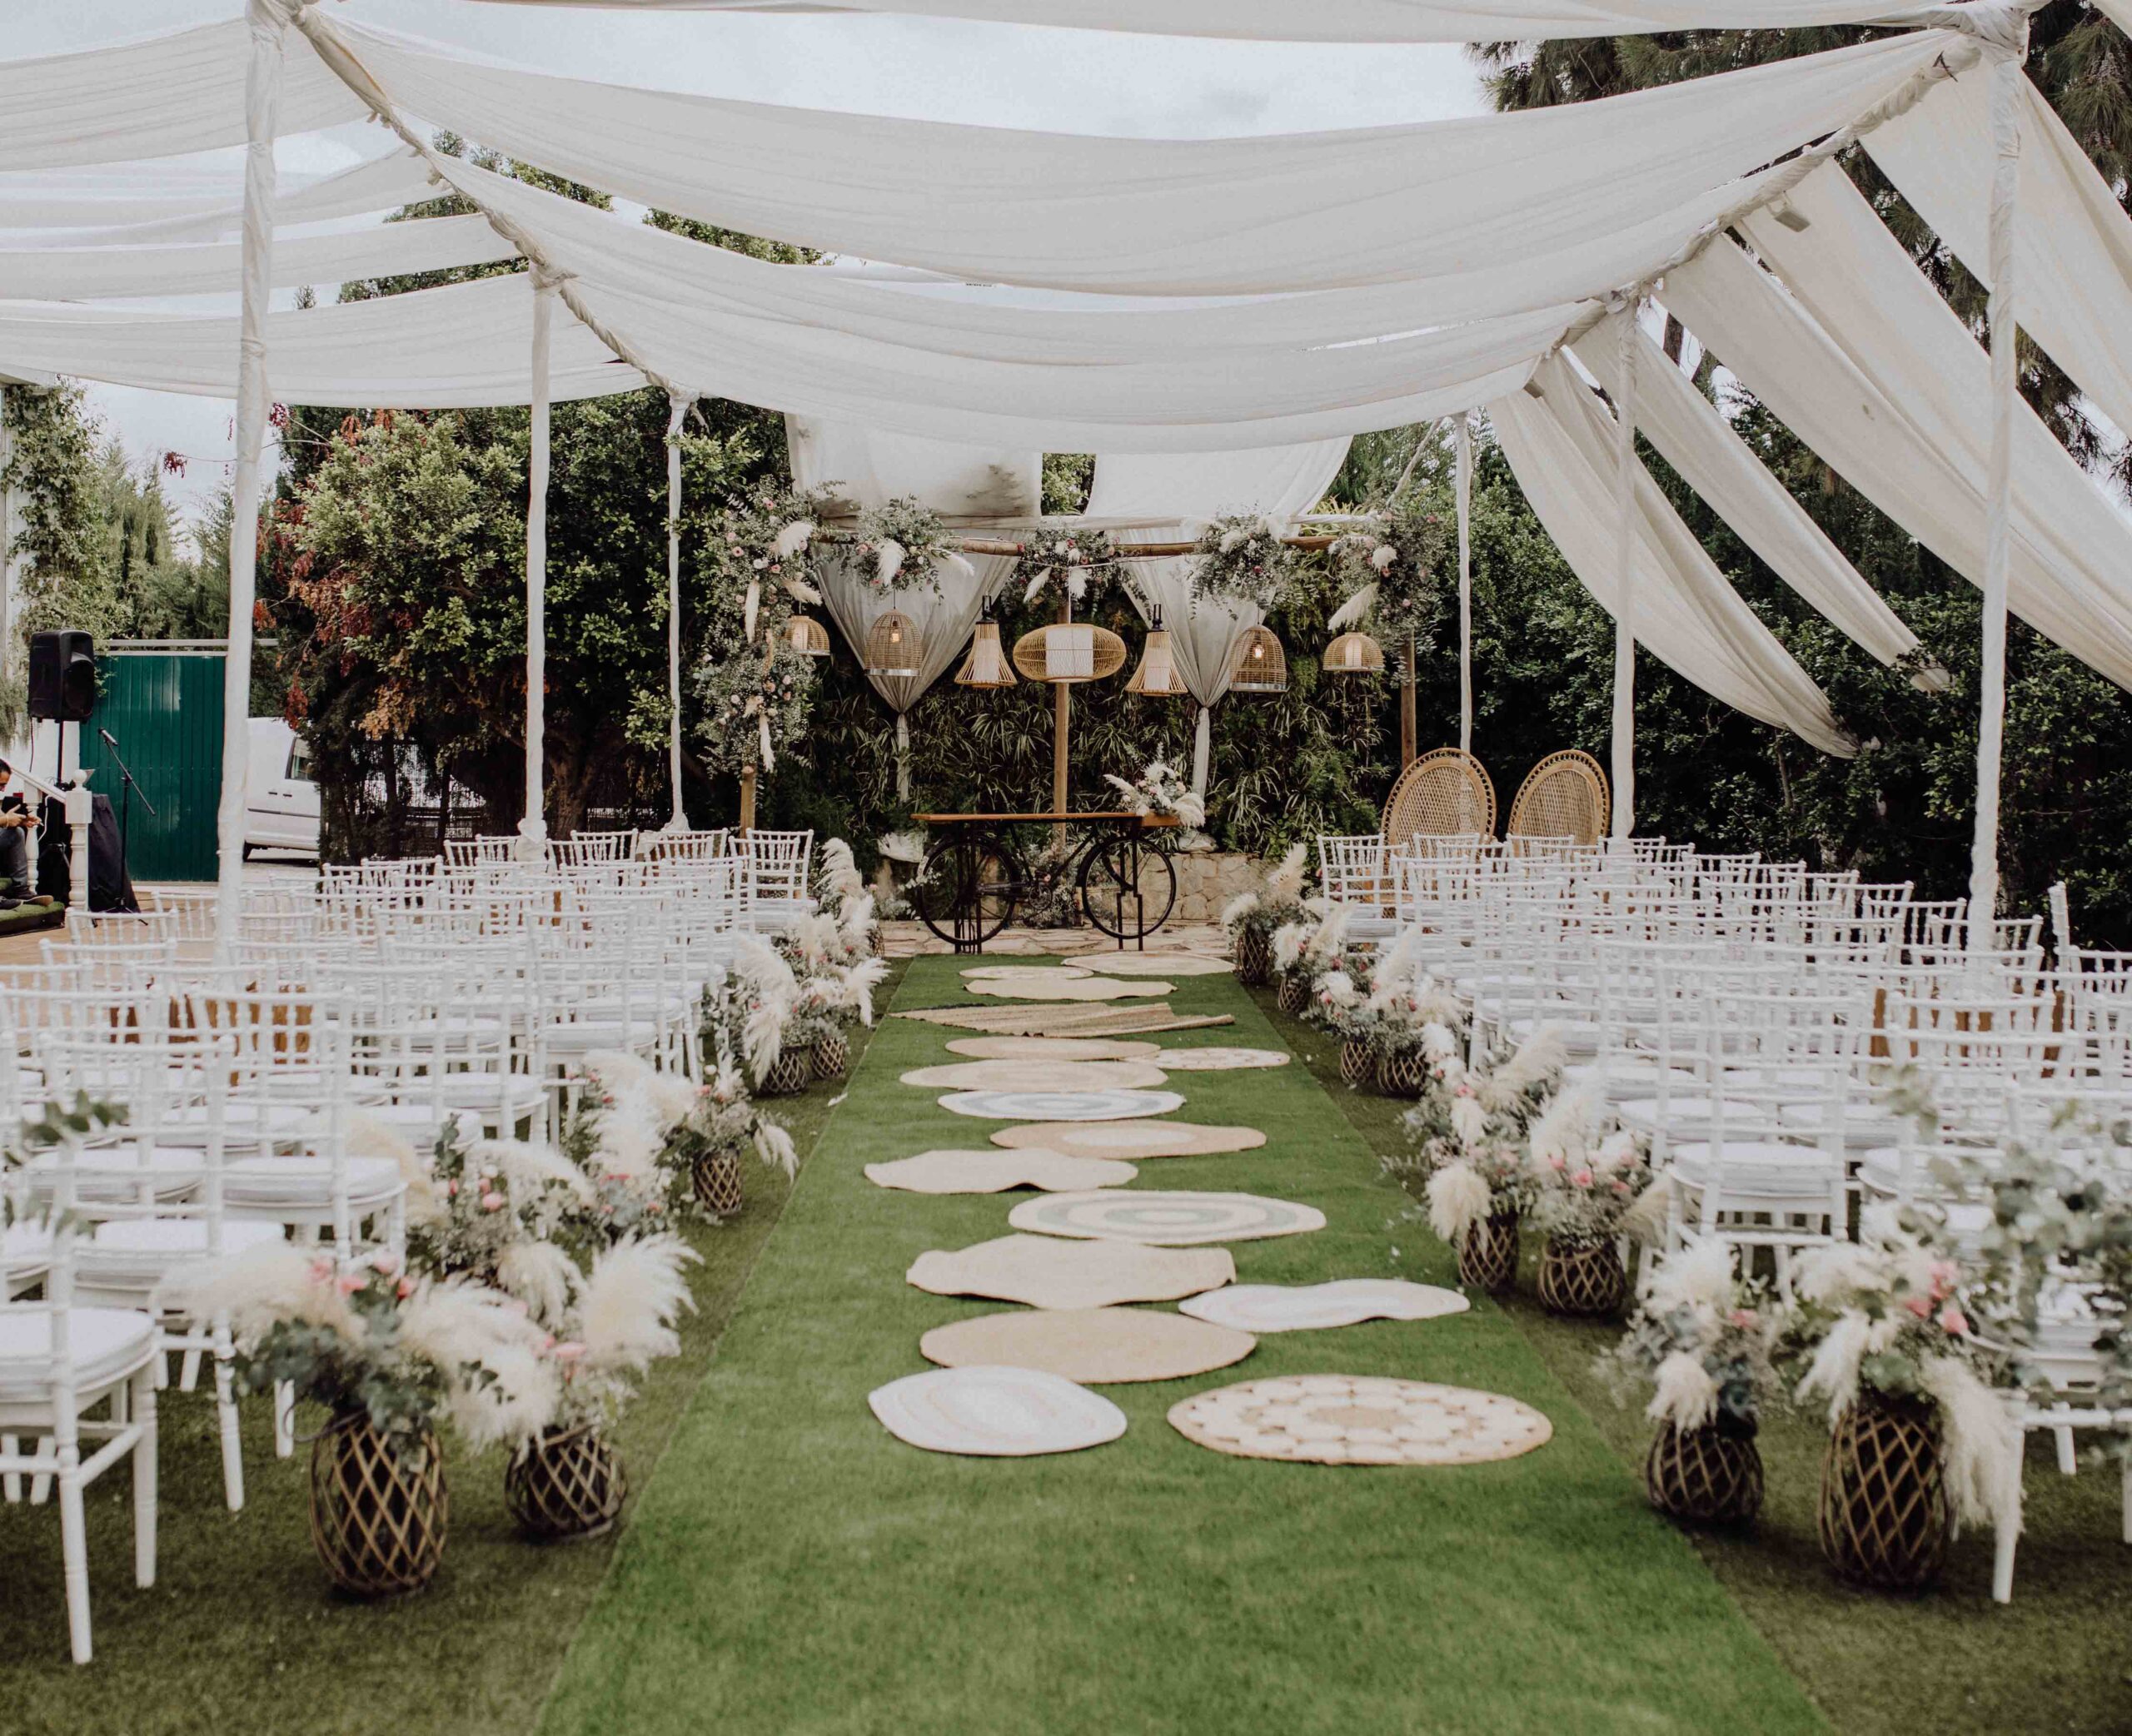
1206,880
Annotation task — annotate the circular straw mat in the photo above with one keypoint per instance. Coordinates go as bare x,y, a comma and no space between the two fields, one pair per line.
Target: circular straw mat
1039,1076
1169,1219
1065,988
1101,1346
1219,1058
1062,1105
1160,964
996,1171
1045,1272
1360,1419
1027,972
1052,1048
1132,1140
995,1413
1313,1307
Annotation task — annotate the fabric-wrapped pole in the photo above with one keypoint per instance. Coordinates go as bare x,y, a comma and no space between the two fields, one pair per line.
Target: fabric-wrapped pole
903,756
534,827
1202,747
262,96
1462,434
678,404
1624,745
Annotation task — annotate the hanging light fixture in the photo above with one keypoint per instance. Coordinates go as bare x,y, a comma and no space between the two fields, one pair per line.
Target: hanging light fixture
1354,654
1157,676
1261,665
892,645
807,636
987,664
1069,652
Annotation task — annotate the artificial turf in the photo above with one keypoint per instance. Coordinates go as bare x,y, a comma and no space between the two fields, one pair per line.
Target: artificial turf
794,1569
241,1633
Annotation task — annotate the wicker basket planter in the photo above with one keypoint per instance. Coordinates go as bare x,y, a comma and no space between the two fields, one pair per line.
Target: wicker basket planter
565,1484
377,1517
1487,1254
831,1057
1885,1517
788,1076
1254,958
1707,1476
1357,1066
716,1179
1582,1278
1403,1073
1293,996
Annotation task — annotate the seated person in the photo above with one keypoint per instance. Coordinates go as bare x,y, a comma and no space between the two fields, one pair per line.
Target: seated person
16,824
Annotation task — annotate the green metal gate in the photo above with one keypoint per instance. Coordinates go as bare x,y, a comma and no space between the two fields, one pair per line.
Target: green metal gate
165,709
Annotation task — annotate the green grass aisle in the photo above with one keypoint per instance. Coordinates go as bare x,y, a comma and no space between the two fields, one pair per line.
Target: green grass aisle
794,1569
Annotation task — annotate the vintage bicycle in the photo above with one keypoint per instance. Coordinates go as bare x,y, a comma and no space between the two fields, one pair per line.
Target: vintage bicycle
975,877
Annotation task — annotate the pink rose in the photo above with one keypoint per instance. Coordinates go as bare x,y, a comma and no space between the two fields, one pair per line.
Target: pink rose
1582,1178
1953,1320
568,1352
351,1282
451,1190
404,1289
1944,1273
492,1202
1556,1164
1921,1306
1743,1317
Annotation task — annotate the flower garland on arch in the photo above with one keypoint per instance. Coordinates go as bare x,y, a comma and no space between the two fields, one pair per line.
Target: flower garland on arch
1394,563
903,546
1243,558
1083,563
753,705
764,542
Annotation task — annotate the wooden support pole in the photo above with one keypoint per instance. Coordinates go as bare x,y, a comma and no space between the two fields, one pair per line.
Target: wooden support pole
1061,722
1409,728
747,798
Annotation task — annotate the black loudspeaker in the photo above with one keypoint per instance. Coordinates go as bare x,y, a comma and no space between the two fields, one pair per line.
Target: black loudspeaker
62,676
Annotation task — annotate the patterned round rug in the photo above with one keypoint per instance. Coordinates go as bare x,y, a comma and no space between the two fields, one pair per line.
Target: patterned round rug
1313,1307
997,1172
1104,1347
1166,1219
1133,1140
1159,964
1065,988
995,1413
1052,1048
1039,1076
1045,1272
1360,1419
1217,1058
1062,1105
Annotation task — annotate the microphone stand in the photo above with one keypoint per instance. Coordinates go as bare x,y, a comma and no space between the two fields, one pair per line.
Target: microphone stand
125,797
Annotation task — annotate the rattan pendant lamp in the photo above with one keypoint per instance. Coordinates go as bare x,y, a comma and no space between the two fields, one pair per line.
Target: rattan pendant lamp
987,665
1261,665
1354,654
1157,676
807,636
892,645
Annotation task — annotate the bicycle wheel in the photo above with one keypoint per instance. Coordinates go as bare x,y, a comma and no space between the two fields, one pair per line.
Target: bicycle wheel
1127,888
965,893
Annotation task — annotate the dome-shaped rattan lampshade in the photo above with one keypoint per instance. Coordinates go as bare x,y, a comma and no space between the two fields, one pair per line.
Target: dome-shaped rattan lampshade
1069,652
807,636
1261,665
1354,654
892,645
1156,676
987,664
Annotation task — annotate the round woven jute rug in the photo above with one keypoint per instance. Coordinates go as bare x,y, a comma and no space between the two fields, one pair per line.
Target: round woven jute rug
1314,1307
995,1171
1039,1076
1044,1273
1102,1347
1219,1058
1026,973
1360,1419
995,1413
1159,964
1065,988
1169,1219
1062,1105
1133,1140
1052,1048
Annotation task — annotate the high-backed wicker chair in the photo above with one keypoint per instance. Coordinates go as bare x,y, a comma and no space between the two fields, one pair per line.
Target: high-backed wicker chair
1564,796
1445,794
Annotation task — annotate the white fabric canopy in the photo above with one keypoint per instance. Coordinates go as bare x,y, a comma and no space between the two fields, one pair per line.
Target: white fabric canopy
159,203
1560,446
871,465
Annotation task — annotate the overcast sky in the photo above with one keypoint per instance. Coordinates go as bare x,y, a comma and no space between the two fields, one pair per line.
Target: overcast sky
1000,75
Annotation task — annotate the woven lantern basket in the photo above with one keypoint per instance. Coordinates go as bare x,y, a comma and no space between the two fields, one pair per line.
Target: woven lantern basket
788,1075
565,1484
1403,1073
1704,1476
892,647
1254,958
1101,653
1157,676
1260,666
1487,1254
1885,1517
1583,1277
807,636
1357,1066
716,1179
377,1517
1293,995
831,1057
986,666
1354,654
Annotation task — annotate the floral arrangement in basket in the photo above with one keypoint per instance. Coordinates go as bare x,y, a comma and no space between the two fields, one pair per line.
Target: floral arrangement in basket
1160,790
903,545
619,1320
761,1014
835,974
1275,903
1585,1180
497,1210
722,1128
754,702
1081,564
1315,945
620,1140
764,543
1244,559
1381,1026
1703,1340
1394,563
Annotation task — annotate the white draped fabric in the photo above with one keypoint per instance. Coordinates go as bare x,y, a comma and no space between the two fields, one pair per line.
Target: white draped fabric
1282,481
126,206
1560,447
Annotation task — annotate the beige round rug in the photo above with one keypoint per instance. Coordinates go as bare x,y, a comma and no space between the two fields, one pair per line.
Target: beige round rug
1219,1058
1131,1140
994,1413
1314,1307
1159,964
1052,1048
1039,1076
996,1171
1065,988
1102,1346
1360,1419
1043,1271
1170,1219
1026,973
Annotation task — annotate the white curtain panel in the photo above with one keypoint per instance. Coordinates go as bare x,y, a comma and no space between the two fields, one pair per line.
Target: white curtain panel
1238,216
1560,446
870,467
1817,389
1713,460
139,203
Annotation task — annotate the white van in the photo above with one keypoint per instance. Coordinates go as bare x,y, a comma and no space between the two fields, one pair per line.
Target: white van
281,803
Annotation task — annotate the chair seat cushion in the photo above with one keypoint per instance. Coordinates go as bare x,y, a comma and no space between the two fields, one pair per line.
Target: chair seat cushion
1622,1078
582,1035
104,1345
306,1183
172,1170
1864,1124
1689,1110
151,1246
1755,1169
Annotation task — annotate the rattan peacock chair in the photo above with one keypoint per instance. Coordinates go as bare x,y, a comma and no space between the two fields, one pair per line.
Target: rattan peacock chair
1445,794
1564,796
